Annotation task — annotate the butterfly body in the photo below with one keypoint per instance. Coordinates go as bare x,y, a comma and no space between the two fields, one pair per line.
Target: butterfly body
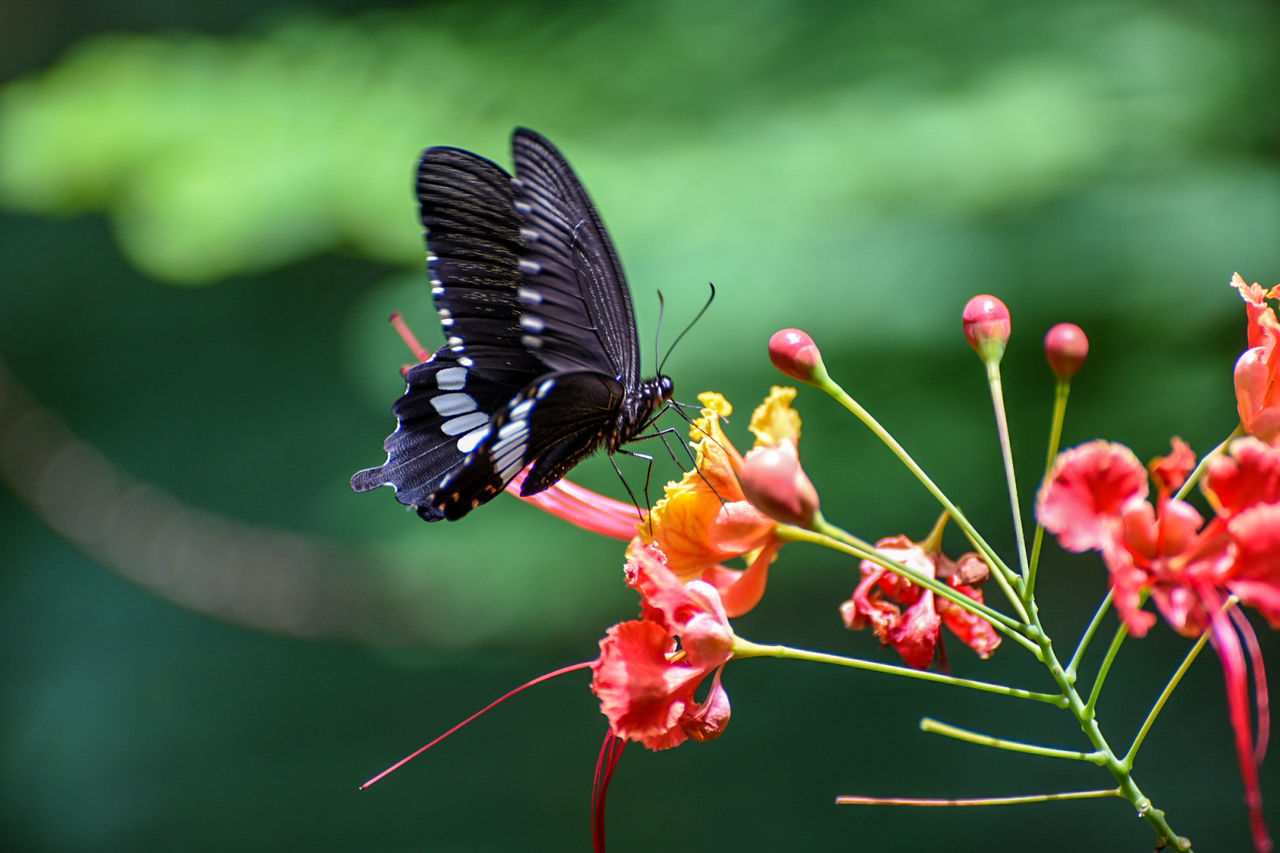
541,362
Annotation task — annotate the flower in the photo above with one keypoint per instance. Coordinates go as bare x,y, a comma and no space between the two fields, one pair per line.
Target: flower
1257,372
706,518
584,508
1095,498
650,668
916,634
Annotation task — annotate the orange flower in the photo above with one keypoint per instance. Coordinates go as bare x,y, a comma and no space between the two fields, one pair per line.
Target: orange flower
706,518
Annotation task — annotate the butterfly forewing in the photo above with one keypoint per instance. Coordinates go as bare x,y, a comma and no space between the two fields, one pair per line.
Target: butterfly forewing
582,294
473,238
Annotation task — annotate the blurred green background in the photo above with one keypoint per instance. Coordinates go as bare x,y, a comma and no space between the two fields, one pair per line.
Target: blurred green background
206,216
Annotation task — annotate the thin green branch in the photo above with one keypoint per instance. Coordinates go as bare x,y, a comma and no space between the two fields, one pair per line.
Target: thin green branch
1087,636
928,724
1204,462
1061,392
849,544
824,381
849,800
1114,649
1191,655
747,649
1011,480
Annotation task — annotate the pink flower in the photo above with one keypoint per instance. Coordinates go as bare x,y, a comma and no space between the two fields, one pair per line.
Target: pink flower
649,668
916,633
1095,498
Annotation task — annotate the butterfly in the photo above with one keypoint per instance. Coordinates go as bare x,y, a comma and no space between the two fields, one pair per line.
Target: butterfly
541,365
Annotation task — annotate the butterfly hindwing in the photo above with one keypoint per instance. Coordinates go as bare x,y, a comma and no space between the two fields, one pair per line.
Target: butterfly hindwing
553,423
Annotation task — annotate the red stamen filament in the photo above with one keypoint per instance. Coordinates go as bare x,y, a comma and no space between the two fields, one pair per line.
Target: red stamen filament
410,339
495,703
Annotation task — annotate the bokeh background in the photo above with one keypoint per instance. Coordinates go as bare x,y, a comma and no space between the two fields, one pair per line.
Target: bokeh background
206,216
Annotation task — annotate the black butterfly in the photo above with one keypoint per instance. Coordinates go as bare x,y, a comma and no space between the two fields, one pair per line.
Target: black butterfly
542,362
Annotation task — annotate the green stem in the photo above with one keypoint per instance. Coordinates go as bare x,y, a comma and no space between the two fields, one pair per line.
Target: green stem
1164,697
824,381
1061,392
1006,454
1204,463
847,543
1114,649
747,649
928,724
1087,636
977,801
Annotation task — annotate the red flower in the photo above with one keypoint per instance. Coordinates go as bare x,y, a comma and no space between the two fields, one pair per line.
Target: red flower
650,668
916,633
582,507
1257,372
1095,498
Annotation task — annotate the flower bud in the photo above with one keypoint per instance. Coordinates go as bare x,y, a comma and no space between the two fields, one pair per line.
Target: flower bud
775,484
1065,346
795,354
986,326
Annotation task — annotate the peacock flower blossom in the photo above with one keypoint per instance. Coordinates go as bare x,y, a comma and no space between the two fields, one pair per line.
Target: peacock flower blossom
583,508
650,668
1257,371
916,632
1095,498
706,518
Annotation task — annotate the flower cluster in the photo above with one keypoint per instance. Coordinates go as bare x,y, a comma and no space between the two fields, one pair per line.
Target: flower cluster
1096,498
658,678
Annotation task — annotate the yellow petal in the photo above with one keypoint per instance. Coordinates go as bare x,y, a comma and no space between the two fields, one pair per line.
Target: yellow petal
774,420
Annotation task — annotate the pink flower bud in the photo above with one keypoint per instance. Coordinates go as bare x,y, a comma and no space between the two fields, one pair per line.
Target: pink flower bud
986,326
775,484
795,354
1066,347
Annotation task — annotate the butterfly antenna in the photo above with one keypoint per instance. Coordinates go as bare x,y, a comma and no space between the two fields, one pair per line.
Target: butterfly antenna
662,311
696,318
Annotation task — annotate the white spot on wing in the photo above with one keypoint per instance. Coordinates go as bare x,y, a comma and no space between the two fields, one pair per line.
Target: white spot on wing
531,267
456,403
452,379
530,295
510,431
545,388
464,423
531,341
471,440
530,323
521,410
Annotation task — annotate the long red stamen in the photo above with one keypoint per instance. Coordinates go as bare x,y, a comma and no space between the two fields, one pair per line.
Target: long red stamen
1261,697
1227,643
410,339
495,703
606,763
